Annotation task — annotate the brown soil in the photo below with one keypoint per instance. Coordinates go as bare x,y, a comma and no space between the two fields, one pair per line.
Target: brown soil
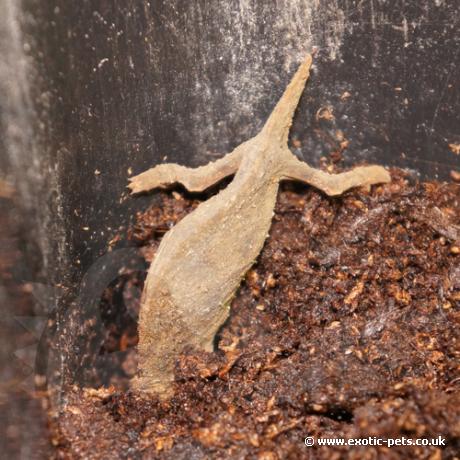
348,325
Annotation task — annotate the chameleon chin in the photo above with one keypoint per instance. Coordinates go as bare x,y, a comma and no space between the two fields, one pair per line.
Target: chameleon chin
201,261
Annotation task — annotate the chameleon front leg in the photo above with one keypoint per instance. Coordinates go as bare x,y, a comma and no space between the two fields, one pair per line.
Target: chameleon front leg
334,184
193,179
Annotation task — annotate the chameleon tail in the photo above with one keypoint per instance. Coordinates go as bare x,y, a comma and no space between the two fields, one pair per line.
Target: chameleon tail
280,120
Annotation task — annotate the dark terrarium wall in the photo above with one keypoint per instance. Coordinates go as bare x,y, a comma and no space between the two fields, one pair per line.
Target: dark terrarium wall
96,90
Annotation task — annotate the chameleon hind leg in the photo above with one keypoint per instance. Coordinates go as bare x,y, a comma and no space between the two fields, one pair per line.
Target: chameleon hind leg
193,179
334,184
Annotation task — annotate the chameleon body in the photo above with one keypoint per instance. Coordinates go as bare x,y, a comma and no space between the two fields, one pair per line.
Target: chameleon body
201,261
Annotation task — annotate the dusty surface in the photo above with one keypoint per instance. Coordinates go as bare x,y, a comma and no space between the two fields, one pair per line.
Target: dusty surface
23,417
348,325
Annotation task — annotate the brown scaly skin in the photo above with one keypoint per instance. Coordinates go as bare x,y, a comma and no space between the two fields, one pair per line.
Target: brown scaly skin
202,260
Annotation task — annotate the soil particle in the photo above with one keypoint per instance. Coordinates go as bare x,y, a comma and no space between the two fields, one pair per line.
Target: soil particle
347,326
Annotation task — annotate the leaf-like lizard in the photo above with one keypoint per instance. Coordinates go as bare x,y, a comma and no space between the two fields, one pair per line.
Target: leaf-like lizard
201,261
